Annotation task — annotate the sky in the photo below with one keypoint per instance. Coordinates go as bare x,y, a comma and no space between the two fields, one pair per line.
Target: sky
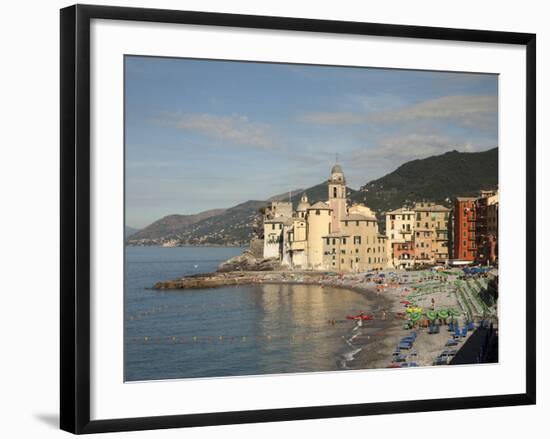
203,134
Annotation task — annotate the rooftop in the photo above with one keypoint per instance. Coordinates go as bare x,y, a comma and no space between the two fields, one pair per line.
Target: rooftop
319,205
358,217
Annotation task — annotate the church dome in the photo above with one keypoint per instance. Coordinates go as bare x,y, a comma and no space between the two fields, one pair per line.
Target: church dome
303,204
336,169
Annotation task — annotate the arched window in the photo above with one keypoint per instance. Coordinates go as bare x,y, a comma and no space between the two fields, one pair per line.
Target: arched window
334,192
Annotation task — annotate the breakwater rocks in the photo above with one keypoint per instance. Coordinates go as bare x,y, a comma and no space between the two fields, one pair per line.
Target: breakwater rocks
218,279
247,261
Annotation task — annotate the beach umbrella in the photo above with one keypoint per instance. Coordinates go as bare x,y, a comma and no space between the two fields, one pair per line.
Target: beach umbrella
443,314
414,316
432,315
453,312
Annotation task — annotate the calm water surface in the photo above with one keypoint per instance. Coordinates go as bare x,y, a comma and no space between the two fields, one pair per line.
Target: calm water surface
236,330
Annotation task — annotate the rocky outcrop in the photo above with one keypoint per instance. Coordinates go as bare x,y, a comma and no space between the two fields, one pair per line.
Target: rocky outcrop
248,262
256,247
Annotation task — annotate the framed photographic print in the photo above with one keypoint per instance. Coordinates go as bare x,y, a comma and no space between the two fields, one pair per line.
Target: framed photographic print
268,218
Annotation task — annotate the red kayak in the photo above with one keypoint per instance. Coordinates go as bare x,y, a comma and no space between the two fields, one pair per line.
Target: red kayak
360,317
405,302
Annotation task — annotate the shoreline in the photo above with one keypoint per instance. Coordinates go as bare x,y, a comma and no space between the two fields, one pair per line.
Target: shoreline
373,344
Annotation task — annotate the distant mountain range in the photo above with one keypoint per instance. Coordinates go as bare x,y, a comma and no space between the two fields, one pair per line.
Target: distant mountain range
129,231
438,178
172,226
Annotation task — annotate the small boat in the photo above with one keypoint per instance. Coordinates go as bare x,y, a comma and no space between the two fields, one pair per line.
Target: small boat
361,316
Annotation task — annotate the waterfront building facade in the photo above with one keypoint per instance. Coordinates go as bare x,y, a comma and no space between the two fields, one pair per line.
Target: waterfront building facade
418,235
329,235
399,233
476,228
431,234
464,238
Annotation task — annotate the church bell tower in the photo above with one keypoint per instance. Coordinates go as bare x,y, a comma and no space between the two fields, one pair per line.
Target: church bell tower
337,196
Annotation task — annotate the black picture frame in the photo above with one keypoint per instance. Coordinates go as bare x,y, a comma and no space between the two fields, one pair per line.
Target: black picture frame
75,217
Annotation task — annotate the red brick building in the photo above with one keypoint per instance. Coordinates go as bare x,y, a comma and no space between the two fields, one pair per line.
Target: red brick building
475,228
464,239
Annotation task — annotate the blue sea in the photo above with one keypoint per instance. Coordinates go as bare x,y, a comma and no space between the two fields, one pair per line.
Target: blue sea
228,331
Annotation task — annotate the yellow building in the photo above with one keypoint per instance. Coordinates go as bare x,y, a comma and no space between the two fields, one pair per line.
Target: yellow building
431,233
319,223
399,231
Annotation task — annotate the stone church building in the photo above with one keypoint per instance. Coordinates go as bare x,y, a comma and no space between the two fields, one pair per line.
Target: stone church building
331,235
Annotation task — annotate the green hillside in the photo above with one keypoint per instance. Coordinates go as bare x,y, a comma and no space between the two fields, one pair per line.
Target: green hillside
438,178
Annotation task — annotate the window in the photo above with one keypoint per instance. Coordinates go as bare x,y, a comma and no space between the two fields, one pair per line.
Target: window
426,225
357,223
342,260
333,241
346,223
328,241
356,250
344,241
418,216
334,192
464,243
392,217
418,225
357,240
369,259
356,259
272,226
280,226
464,254
343,252
317,212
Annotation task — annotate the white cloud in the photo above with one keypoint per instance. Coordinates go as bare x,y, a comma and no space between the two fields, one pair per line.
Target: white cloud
468,111
234,130
334,118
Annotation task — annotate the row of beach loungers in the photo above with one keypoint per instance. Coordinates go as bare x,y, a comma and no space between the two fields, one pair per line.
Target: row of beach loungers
403,360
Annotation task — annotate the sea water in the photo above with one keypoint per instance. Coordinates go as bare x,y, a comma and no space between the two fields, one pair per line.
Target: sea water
232,330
